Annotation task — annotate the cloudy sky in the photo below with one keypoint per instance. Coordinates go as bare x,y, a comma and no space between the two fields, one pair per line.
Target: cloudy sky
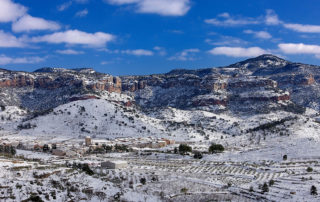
125,37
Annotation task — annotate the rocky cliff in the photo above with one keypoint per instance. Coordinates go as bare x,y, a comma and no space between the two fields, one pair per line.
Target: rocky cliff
256,85
50,87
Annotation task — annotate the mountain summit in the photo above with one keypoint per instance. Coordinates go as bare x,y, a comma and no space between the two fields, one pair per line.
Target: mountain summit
263,61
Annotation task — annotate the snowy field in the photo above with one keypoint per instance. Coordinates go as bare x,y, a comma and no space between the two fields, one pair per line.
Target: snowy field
254,149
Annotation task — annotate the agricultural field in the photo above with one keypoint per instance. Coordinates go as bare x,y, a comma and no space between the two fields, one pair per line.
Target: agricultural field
158,176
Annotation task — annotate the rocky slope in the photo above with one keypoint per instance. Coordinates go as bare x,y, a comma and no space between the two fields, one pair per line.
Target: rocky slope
49,87
258,85
204,103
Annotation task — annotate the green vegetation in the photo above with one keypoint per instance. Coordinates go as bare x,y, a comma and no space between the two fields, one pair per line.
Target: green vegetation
313,190
271,183
216,148
265,188
309,169
197,155
184,149
184,190
7,149
272,124
143,181
285,157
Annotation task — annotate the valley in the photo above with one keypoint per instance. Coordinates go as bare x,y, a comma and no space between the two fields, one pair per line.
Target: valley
60,127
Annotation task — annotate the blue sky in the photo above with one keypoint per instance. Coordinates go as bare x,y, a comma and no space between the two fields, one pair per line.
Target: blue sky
124,37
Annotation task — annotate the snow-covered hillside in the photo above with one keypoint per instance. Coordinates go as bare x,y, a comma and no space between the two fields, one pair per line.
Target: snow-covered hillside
263,112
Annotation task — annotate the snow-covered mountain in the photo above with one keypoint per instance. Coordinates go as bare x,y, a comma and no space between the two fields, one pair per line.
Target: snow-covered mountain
257,94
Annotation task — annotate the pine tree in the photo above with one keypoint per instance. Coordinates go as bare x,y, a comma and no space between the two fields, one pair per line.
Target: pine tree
265,187
313,190
13,151
184,149
216,148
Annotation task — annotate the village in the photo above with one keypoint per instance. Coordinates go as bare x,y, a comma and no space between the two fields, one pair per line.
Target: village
155,168
77,149
150,166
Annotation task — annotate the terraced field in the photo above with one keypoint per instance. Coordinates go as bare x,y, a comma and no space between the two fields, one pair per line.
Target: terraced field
222,178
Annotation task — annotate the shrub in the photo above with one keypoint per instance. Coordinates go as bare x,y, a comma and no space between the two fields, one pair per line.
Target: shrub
216,148
82,109
285,157
143,181
309,169
108,148
197,155
3,108
10,150
251,189
265,188
184,190
313,190
123,148
184,149
87,169
34,197
26,126
271,182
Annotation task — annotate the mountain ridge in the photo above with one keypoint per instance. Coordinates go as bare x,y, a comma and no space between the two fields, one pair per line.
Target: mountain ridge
205,102
210,87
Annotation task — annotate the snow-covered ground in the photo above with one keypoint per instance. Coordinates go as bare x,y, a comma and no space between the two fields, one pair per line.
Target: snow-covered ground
254,150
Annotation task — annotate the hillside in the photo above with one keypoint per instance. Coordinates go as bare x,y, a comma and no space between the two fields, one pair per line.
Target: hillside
263,111
202,104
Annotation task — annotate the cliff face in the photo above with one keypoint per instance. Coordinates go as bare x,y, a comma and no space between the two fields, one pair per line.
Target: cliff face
256,85
215,92
48,87
53,80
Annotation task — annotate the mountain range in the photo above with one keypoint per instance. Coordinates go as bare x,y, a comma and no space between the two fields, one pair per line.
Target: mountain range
199,104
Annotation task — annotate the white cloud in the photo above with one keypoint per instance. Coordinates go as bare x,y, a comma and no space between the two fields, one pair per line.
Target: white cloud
10,11
105,62
16,13
176,31
138,52
259,34
299,48
122,2
165,7
160,50
82,13
4,60
64,6
29,23
224,19
69,52
9,41
226,41
67,4
224,15
161,7
303,28
185,55
76,37
272,18
238,51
